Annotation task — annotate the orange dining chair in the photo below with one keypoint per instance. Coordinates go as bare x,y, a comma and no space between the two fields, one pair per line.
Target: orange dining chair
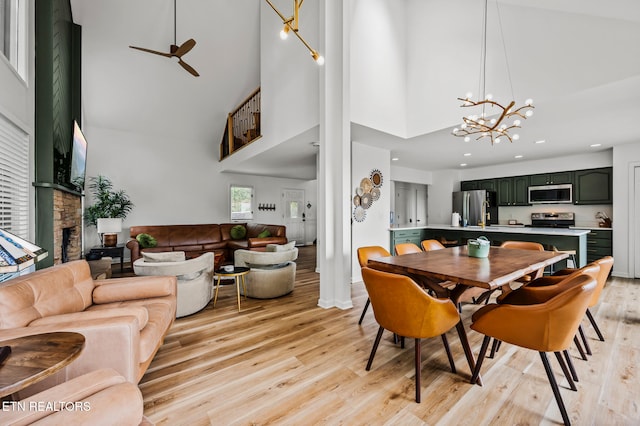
605,263
543,327
525,245
428,245
541,290
364,254
404,308
407,248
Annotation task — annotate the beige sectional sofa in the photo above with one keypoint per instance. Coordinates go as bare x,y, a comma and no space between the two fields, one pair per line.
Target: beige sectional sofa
124,320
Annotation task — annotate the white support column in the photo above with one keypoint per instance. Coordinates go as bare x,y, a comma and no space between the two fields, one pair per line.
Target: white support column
334,173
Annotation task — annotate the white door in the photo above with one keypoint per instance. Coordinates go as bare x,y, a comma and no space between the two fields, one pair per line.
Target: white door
421,205
635,224
294,216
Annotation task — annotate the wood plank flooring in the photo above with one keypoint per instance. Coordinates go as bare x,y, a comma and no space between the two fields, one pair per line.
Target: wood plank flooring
288,362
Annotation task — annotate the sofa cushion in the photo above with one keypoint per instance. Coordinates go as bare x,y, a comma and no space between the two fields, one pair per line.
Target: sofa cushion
140,313
238,232
168,256
60,289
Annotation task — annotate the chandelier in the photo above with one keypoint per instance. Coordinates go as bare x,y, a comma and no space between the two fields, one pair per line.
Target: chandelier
485,124
291,24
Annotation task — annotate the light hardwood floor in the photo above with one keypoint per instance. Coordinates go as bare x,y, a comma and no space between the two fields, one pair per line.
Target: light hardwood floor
288,362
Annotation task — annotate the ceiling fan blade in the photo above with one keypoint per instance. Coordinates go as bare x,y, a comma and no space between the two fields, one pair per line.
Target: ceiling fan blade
189,68
185,47
155,52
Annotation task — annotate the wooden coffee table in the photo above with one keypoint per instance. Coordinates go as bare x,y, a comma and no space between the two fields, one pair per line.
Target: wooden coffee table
36,357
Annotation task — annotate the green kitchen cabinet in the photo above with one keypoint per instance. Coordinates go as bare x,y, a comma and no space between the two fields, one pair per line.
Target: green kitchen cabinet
488,184
594,186
405,236
599,244
512,191
551,178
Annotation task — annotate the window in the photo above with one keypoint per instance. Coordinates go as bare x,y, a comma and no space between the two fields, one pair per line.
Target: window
13,22
14,179
241,202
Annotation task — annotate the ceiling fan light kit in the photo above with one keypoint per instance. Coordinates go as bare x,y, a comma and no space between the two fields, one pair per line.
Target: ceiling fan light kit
481,125
175,51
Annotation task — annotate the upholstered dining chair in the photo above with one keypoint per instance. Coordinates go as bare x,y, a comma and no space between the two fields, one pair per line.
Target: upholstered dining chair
364,254
543,289
543,327
406,248
605,264
428,245
404,308
525,245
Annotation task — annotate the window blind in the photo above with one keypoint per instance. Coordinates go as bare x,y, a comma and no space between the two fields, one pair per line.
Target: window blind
14,179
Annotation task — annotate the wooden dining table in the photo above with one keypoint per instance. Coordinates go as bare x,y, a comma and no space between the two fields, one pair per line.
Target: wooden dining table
433,268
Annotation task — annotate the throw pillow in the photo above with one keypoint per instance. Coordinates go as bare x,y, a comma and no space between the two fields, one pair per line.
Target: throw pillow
264,234
238,232
168,256
146,241
281,247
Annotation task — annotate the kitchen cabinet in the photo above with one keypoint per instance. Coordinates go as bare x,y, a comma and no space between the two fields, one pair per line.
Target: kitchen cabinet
405,236
551,178
594,186
512,191
599,244
470,185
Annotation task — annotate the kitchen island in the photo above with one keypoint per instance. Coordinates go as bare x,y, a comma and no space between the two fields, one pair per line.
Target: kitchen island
560,238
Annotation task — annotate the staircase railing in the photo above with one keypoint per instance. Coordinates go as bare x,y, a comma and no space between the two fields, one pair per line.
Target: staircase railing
243,125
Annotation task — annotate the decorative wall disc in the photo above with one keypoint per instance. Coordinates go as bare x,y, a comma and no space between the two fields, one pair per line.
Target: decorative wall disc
366,200
375,194
366,185
359,191
359,214
376,178
356,200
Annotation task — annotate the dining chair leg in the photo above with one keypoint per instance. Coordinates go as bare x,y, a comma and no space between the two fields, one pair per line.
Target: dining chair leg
554,387
595,325
574,375
445,341
401,342
364,311
494,347
375,348
577,342
483,351
462,334
418,362
584,340
565,370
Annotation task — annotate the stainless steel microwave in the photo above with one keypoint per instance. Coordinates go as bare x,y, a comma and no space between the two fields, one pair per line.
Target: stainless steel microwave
551,194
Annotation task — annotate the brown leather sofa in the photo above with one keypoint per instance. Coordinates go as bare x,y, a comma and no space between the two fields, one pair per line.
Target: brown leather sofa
124,320
195,240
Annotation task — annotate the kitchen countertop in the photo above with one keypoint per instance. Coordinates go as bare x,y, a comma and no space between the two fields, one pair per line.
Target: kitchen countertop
516,229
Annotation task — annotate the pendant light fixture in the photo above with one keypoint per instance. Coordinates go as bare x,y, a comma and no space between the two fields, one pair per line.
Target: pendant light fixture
482,122
291,24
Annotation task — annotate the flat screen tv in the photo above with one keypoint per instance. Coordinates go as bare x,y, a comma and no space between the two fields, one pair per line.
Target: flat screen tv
78,158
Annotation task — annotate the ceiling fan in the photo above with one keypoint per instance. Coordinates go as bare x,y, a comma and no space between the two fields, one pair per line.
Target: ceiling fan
175,51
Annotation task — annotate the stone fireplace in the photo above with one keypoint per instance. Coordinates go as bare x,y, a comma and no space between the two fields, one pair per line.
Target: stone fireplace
67,227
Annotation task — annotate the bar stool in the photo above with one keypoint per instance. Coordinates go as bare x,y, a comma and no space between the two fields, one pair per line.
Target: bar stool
572,256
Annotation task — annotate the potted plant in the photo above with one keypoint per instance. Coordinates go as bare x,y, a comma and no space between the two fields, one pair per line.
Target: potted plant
109,208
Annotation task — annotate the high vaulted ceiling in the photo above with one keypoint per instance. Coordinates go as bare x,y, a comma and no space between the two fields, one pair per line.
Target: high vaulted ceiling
578,59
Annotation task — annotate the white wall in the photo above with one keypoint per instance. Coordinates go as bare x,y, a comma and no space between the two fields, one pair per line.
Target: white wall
176,182
378,59
374,230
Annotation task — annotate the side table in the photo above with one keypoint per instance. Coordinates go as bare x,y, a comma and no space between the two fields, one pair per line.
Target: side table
238,273
36,357
117,251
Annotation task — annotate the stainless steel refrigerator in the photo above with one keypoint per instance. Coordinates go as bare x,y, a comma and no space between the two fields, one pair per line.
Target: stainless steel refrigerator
469,204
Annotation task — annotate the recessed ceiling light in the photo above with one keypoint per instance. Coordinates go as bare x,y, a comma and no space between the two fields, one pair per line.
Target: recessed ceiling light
541,141
518,156
463,164
395,159
595,145
467,154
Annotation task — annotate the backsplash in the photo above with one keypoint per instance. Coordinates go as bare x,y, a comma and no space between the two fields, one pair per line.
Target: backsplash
585,215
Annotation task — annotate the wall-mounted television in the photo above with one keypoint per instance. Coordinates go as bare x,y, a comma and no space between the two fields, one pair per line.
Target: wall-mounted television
78,158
